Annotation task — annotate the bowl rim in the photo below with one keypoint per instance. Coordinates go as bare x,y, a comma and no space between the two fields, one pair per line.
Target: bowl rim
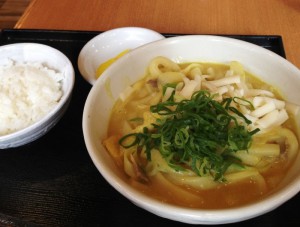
62,101
190,215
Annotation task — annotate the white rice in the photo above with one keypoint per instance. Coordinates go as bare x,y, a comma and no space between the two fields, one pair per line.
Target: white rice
28,91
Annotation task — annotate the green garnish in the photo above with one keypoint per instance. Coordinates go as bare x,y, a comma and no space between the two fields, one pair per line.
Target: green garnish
199,134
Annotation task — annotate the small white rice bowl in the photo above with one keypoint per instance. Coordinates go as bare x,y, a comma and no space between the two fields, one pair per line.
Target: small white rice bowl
272,68
36,83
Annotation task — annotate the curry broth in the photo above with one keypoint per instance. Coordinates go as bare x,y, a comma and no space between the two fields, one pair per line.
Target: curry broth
225,195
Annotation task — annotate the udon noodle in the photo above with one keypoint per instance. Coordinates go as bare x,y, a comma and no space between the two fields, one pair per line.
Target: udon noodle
202,135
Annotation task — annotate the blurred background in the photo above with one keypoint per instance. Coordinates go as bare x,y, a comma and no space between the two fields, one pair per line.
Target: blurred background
11,11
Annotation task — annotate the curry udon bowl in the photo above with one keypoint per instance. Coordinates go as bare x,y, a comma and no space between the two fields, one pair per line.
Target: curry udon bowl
270,67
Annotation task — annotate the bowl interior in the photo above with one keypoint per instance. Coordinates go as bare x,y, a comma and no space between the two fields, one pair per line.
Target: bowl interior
270,67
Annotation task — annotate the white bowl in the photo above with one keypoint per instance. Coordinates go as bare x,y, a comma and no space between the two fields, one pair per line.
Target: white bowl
264,63
109,44
52,59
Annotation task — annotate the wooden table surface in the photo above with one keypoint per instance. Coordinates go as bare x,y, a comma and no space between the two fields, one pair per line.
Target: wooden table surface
255,17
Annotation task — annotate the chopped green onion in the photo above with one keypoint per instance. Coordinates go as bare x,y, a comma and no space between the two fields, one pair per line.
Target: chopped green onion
199,134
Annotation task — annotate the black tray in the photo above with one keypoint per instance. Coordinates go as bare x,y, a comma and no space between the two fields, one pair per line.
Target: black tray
53,182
